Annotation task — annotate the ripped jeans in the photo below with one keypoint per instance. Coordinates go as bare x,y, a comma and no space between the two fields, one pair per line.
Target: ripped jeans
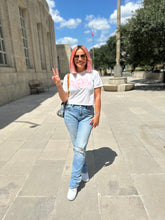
77,119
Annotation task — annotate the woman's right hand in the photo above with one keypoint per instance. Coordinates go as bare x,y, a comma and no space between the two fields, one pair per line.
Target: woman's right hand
56,78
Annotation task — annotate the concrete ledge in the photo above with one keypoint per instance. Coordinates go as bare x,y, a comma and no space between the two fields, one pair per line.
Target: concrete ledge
125,87
110,87
118,88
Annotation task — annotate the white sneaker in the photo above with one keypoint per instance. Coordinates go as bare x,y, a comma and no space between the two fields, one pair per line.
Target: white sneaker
85,177
72,192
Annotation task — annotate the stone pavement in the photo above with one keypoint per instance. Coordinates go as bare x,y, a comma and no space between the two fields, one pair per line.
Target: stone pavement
125,156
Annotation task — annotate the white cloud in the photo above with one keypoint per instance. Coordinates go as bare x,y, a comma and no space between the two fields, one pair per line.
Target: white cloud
89,17
113,34
103,37
126,1
71,23
97,23
126,12
87,32
51,3
100,27
56,16
67,40
54,12
97,45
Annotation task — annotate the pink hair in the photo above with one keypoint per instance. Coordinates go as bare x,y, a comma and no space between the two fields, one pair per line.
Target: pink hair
89,61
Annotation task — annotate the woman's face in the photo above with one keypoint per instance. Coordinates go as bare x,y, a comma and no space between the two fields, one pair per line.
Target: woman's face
80,60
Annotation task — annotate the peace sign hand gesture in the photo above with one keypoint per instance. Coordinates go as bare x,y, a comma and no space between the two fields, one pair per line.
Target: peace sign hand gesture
56,78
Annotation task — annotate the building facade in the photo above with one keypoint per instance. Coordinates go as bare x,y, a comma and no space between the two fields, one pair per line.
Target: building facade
27,47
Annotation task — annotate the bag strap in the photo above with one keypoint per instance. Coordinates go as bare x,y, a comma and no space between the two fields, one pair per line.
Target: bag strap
68,75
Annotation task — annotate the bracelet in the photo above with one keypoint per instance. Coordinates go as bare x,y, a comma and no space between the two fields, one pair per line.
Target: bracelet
97,113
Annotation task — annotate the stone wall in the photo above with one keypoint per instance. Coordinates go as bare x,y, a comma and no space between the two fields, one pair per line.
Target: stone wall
29,47
148,75
63,58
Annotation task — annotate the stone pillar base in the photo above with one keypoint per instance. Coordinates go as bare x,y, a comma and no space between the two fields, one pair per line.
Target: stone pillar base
118,70
117,80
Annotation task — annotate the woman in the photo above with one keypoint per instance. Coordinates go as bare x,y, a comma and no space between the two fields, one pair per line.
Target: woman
84,93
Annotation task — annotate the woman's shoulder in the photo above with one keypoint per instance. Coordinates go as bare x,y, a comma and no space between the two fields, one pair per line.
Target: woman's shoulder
70,74
92,72
95,73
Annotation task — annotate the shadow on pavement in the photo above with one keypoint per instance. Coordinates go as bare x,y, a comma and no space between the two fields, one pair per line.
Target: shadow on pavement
97,159
13,110
148,84
150,87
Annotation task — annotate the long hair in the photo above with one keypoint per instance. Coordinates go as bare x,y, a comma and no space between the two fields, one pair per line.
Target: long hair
89,61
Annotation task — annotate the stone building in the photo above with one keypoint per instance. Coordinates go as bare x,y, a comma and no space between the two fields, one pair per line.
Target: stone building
27,47
63,58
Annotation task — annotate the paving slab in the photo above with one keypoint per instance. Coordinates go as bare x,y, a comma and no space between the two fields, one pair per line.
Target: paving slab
151,189
44,179
84,207
55,150
32,208
9,148
9,189
116,185
122,207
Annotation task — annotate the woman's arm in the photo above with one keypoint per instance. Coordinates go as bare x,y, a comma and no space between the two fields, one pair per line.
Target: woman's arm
56,79
96,118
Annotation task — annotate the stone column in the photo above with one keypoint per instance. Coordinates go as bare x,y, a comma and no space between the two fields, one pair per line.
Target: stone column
118,69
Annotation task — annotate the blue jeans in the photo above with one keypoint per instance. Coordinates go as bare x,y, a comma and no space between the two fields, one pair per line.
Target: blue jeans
77,119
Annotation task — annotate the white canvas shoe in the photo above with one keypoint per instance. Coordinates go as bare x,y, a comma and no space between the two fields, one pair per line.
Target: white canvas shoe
72,192
85,177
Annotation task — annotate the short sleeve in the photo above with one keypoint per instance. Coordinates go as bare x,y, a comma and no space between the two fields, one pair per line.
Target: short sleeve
97,80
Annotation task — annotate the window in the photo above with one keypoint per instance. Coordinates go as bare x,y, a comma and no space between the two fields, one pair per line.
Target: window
39,41
50,50
3,60
24,37
41,46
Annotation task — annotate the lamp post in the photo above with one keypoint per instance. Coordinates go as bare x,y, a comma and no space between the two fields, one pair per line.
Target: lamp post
118,69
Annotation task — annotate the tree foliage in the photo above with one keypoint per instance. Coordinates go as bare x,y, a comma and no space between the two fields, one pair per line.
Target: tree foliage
142,39
104,56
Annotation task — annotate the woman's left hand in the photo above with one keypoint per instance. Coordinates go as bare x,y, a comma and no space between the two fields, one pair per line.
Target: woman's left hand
95,121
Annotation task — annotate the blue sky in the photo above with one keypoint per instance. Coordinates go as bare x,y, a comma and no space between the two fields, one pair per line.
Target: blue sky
74,20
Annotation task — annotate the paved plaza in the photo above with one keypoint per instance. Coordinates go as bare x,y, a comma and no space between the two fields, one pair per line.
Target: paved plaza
125,157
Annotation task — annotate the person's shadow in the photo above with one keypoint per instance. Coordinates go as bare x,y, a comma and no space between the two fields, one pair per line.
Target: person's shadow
96,160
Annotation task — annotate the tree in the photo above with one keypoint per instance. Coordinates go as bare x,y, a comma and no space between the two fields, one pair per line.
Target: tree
105,55
143,37
111,51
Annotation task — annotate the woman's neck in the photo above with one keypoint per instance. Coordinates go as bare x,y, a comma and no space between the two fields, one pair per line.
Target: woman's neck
79,70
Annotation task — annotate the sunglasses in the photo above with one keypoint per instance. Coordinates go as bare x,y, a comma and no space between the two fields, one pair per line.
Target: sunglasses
78,56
